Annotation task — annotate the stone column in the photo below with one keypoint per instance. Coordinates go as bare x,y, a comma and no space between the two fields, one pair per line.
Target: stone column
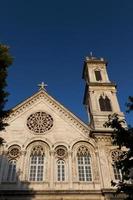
70,178
24,166
52,167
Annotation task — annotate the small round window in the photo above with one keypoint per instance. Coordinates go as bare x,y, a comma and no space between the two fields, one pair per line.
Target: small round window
14,151
61,151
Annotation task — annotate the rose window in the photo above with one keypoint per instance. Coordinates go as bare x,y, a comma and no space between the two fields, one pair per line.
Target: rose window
39,122
14,151
61,151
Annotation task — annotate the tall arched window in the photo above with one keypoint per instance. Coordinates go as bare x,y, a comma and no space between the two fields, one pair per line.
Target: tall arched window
115,157
60,170
36,164
11,172
105,104
117,172
84,164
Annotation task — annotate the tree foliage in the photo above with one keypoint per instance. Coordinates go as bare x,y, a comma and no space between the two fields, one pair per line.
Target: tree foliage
5,61
123,137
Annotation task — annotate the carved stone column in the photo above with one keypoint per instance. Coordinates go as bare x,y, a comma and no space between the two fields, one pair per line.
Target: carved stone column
24,167
70,178
52,167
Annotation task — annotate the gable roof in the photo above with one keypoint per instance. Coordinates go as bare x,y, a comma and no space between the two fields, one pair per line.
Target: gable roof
55,105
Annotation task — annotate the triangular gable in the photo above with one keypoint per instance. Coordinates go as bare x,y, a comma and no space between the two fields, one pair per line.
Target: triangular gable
55,105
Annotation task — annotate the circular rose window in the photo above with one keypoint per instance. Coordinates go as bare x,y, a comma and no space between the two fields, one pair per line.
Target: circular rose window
61,151
40,122
14,151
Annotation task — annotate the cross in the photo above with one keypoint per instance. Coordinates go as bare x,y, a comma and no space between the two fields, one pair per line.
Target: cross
42,86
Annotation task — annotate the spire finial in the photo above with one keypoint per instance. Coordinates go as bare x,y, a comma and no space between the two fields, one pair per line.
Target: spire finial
42,86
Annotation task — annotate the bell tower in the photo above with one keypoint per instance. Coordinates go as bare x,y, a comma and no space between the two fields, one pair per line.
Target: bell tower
100,94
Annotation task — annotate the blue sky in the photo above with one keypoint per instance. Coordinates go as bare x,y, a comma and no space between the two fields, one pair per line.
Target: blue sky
50,39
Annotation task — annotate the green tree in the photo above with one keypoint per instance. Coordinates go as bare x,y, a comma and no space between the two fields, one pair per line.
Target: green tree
123,137
5,61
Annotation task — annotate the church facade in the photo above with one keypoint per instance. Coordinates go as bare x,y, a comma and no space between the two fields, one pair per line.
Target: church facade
50,154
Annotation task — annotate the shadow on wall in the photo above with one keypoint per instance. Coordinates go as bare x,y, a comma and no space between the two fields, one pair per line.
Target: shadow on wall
11,187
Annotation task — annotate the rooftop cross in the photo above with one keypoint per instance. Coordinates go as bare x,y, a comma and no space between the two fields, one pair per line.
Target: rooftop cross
42,86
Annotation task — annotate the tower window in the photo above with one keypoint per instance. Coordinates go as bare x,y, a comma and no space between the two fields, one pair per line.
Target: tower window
105,104
84,164
98,75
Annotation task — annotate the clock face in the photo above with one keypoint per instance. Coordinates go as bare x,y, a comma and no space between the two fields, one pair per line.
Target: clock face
39,122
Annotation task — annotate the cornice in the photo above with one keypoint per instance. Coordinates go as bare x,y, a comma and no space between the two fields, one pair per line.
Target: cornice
102,84
55,105
104,139
47,192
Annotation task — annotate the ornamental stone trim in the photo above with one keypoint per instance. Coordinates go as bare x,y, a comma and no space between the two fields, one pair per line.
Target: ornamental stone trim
61,151
39,122
59,108
13,152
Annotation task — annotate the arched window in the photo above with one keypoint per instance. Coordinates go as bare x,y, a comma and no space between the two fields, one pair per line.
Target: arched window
36,164
11,171
98,75
105,104
84,164
60,170
117,172
115,157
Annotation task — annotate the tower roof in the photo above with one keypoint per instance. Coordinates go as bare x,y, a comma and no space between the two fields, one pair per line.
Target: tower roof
93,59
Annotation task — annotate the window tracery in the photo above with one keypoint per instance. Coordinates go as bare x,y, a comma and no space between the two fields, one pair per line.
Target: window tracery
14,151
105,104
115,155
11,159
37,164
84,164
61,151
39,122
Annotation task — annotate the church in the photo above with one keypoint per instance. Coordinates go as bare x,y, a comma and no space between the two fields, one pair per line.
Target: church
50,154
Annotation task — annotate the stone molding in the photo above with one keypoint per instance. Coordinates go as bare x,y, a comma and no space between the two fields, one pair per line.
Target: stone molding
106,139
58,108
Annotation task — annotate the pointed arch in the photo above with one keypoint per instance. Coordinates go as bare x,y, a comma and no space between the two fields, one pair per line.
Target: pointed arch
105,104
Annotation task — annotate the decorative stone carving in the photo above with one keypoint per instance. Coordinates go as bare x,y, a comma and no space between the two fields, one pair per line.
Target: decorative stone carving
61,151
105,139
83,151
13,151
37,150
39,122
96,172
116,155
42,95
